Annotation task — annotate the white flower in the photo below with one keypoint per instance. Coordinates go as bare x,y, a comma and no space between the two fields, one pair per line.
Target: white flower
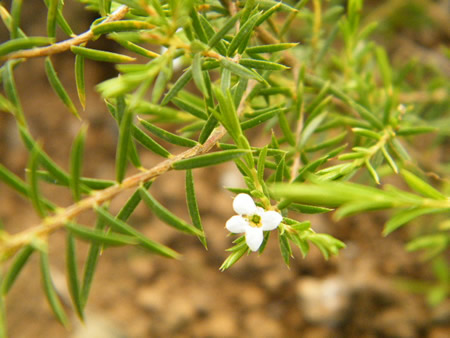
252,220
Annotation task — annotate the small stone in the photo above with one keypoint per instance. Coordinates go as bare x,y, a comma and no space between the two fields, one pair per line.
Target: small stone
439,332
252,296
441,313
180,312
219,324
259,324
141,267
276,278
395,323
151,298
323,301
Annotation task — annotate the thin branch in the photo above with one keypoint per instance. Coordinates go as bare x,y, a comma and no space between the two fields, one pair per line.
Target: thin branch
10,244
66,44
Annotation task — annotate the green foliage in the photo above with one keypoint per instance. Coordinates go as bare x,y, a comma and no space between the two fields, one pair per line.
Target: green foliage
325,102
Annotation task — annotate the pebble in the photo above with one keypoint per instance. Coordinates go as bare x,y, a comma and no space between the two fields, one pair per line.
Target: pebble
323,301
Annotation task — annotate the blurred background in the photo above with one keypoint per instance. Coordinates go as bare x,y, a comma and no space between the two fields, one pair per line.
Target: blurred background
374,288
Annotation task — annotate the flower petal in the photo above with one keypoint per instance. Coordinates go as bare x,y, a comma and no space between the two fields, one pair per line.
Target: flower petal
270,220
243,204
253,237
236,224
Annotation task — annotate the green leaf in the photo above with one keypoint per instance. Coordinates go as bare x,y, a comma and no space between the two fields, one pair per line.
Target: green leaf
210,32
72,275
408,131
207,129
6,105
362,111
193,206
23,43
260,64
99,55
100,237
399,150
357,207
125,128
351,156
241,36
367,133
330,194
166,216
51,18
404,216
234,256
163,78
389,160
105,7
16,10
58,87
383,64
91,262
302,244
253,122
198,75
285,248
270,48
198,27
87,183
229,117
76,163
121,26
3,323
372,171
182,81
327,244
296,225
50,291
286,128
60,19
10,25
33,182
79,80
328,143
308,209
270,4
420,186
133,47
149,143
9,86
15,268
168,136
208,159
229,24
13,181
261,164
131,204
144,242
190,108
280,171
310,128
435,242
240,70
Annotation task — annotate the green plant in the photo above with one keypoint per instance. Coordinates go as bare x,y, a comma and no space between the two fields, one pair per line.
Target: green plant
330,109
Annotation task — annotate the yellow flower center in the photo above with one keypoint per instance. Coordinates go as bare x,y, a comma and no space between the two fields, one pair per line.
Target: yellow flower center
254,221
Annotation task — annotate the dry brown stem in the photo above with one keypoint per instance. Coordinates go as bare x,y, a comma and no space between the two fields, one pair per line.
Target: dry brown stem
66,44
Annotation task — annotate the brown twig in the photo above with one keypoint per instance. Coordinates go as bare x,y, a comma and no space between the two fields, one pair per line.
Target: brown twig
10,244
66,44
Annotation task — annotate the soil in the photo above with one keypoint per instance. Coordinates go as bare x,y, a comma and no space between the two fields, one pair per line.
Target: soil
134,294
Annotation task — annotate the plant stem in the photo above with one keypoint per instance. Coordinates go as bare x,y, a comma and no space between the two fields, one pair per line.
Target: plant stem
66,44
